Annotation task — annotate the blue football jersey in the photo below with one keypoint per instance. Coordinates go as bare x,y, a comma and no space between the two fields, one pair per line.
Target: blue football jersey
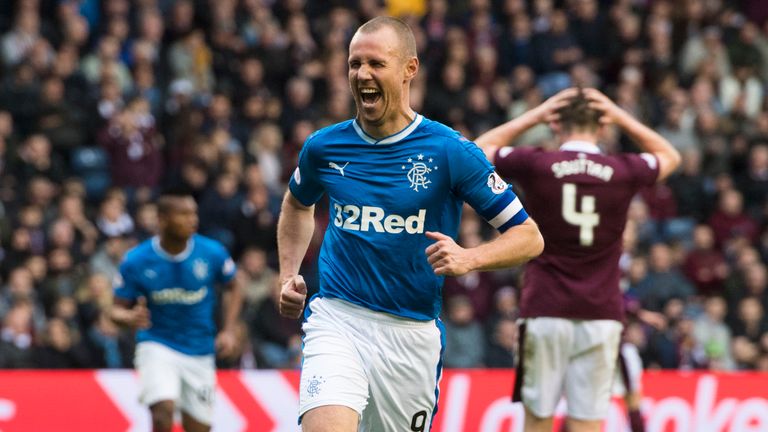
384,194
180,291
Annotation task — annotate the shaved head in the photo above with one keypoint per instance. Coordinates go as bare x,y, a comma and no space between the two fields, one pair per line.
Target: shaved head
401,29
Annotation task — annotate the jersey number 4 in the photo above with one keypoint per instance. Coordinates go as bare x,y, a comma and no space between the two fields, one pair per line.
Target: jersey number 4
586,219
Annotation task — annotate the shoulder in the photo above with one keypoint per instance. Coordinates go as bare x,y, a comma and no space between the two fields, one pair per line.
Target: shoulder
329,133
209,246
639,161
138,254
454,143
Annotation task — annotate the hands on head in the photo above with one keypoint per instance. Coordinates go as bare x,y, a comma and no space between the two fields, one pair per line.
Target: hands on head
547,112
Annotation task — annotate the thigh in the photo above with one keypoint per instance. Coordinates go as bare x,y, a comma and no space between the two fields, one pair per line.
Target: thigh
332,371
546,351
404,368
592,369
198,388
330,418
158,371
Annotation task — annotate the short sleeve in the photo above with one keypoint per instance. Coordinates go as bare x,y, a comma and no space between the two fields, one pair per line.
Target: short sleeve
474,180
125,285
304,183
513,163
643,168
227,268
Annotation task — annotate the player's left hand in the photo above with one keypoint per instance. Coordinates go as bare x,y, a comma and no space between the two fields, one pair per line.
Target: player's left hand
226,343
446,257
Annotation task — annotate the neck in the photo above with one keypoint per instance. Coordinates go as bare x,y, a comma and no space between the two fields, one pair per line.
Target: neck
173,246
578,136
389,126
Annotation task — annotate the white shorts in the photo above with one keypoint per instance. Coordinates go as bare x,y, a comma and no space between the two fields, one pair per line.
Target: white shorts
572,357
633,365
167,374
384,367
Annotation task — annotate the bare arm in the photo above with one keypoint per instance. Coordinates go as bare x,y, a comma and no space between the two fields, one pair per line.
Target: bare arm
128,314
646,138
294,233
515,246
504,134
231,304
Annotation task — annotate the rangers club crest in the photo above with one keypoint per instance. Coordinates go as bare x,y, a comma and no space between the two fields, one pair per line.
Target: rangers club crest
200,269
418,172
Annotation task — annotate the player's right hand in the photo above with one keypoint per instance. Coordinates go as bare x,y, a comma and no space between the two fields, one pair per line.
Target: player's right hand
292,296
140,318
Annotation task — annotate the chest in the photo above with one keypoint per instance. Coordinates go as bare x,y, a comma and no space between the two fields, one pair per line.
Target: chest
390,177
191,275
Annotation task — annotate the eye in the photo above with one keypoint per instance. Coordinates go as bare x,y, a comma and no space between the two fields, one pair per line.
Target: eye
354,64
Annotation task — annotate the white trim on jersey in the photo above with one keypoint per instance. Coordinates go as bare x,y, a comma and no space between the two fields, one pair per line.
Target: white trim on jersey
508,213
392,138
181,256
581,146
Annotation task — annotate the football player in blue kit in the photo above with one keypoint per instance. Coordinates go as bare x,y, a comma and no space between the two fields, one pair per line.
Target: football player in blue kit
397,183
167,291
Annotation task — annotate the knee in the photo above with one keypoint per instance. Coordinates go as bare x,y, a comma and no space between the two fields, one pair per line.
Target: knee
162,418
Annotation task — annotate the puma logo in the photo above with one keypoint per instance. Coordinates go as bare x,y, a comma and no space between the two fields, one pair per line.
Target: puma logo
335,166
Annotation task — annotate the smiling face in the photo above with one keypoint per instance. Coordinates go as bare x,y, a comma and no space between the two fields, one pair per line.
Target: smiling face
379,76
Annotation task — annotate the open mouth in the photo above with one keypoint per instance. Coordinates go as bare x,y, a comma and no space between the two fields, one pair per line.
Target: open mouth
369,96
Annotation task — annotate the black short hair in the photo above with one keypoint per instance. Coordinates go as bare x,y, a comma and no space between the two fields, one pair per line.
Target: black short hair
165,202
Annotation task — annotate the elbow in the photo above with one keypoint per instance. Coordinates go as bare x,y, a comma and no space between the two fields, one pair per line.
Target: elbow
537,245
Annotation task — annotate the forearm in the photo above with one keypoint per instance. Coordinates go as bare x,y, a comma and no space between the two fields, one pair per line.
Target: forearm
232,303
120,315
515,246
504,134
294,233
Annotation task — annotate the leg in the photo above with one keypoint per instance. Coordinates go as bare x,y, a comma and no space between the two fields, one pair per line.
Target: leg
591,373
162,416
333,390
537,424
404,370
191,424
159,380
330,418
198,387
575,425
546,351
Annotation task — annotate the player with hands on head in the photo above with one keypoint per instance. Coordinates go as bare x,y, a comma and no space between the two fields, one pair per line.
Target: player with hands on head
571,305
166,291
396,182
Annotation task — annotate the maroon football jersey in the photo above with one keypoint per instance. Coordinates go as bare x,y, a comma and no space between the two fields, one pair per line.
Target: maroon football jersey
579,197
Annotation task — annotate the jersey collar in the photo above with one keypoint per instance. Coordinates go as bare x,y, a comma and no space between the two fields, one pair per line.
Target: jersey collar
181,256
389,139
580,146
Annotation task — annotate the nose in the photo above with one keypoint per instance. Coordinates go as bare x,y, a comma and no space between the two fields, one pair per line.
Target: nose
364,72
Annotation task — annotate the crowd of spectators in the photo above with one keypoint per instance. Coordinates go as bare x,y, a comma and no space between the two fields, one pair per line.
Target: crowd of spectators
103,103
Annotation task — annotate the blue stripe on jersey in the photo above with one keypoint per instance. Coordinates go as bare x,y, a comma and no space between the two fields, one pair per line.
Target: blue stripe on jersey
519,218
439,373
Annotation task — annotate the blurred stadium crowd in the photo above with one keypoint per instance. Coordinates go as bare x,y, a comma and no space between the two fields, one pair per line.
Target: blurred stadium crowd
104,103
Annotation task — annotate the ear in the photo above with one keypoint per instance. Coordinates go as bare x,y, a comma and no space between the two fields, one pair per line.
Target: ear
555,126
411,68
